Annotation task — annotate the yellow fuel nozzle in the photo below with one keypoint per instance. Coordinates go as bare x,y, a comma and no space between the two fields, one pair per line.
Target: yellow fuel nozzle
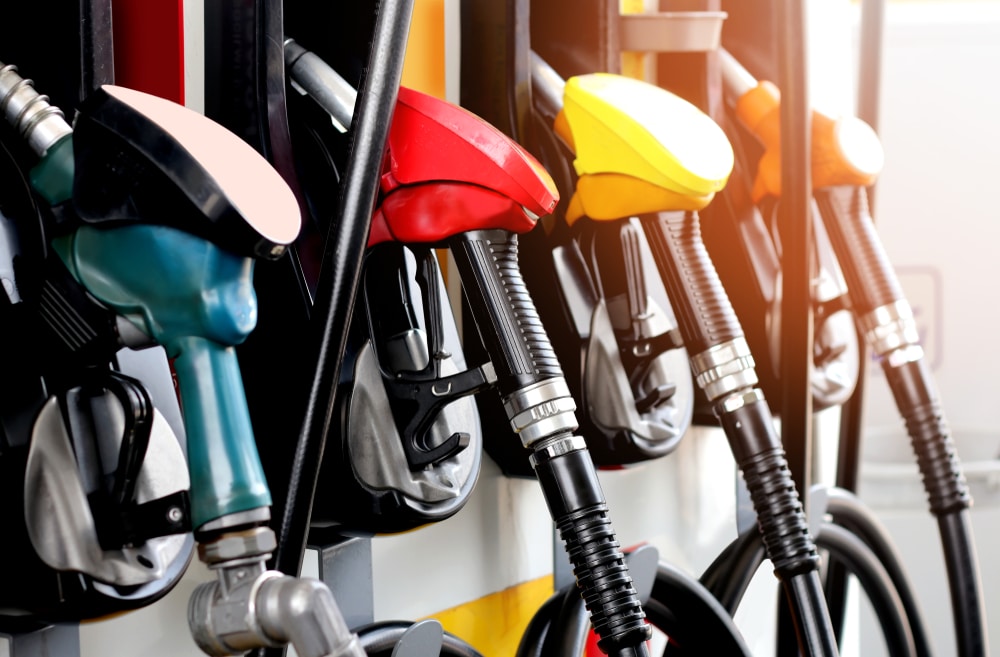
845,150
639,148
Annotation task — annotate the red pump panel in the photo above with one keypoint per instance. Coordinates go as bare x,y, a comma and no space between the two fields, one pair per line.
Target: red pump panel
149,47
432,140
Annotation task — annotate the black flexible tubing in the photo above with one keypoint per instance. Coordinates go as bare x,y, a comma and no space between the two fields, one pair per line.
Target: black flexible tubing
962,567
379,639
849,512
537,630
707,321
844,547
568,636
698,624
808,630
338,280
728,577
522,356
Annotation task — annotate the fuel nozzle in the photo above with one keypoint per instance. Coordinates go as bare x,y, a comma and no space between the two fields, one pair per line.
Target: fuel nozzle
452,178
845,150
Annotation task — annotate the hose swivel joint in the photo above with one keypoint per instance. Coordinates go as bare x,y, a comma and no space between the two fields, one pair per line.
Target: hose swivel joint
725,368
251,607
892,333
541,410
41,124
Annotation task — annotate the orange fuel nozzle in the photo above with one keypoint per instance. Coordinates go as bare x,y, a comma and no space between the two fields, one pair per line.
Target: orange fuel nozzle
845,150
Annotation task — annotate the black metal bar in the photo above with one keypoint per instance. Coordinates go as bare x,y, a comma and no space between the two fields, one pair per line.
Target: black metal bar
341,269
795,227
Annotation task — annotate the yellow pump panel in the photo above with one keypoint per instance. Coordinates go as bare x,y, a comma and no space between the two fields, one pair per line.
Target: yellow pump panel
424,63
632,128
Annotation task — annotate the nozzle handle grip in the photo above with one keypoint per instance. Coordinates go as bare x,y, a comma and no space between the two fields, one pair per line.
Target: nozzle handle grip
226,473
871,279
504,311
705,315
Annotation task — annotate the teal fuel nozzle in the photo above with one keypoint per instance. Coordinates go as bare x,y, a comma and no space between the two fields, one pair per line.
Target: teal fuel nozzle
197,300
169,212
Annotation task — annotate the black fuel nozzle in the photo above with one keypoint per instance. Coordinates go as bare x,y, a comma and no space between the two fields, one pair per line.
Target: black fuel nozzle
542,412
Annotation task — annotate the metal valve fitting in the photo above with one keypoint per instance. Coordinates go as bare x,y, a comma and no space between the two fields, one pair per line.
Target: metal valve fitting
30,112
892,333
724,368
251,607
541,410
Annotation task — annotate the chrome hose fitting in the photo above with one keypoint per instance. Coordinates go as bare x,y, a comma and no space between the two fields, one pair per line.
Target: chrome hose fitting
40,123
724,369
250,607
891,332
323,84
555,447
736,401
542,410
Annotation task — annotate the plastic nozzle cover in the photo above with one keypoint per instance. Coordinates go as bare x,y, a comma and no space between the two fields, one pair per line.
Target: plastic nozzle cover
143,159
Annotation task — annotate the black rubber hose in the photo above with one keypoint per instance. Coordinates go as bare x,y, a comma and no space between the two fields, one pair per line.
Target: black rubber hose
901,627
729,576
947,491
847,548
522,356
704,313
706,319
379,639
780,518
697,624
533,638
849,512
338,281
781,522
573,495
813,634
962,565
948,496
679,606
567,637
